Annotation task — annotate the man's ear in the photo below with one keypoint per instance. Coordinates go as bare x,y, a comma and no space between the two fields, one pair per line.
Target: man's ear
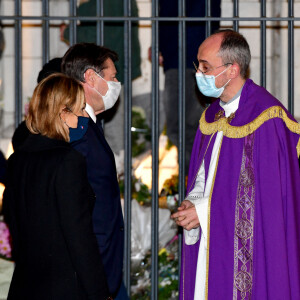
89,77
234,71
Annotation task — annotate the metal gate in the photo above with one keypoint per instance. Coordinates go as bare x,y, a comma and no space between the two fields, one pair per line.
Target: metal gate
237,22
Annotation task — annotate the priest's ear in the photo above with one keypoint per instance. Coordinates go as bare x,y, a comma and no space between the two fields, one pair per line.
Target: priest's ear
234,71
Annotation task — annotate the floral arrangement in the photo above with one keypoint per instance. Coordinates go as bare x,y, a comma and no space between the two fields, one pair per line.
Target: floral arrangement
167,274
169,195
170,186
139,191
5,247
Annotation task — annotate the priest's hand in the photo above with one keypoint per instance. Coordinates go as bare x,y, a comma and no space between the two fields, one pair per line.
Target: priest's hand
186,216
184,205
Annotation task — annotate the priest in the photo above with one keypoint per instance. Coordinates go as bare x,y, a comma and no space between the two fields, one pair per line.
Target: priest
241,214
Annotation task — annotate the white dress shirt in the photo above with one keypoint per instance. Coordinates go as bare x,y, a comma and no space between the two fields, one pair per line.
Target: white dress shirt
90,112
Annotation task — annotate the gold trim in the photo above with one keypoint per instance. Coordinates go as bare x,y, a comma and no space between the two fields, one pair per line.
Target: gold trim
242,131
208,223
183,268
298,148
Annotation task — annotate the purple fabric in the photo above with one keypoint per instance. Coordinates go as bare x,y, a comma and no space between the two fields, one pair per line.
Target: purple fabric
244,224
276,234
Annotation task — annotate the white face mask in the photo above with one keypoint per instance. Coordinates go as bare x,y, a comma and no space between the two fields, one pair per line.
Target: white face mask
112,94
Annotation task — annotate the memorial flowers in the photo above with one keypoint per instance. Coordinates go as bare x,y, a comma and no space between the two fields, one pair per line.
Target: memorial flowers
5,247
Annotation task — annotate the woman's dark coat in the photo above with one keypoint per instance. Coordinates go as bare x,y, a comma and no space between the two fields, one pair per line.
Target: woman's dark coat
48,204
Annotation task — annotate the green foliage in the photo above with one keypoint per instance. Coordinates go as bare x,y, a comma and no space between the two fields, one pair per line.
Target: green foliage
169,143
143,195
139,191
139,139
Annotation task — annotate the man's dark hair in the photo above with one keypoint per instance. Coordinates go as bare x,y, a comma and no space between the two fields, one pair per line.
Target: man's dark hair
235,49
22,132
53,66
83,56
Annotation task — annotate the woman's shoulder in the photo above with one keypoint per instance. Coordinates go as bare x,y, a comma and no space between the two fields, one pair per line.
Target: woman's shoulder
50,150
74,154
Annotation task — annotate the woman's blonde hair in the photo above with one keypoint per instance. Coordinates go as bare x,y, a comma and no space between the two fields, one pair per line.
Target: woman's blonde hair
55,93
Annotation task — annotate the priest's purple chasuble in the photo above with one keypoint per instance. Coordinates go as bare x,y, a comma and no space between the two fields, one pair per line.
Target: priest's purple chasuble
253,246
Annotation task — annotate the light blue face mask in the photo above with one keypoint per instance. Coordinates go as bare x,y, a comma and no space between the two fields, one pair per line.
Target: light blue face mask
207,84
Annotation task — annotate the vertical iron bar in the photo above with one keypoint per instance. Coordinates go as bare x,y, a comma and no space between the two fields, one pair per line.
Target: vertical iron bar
181,112
45,29
18,63
72,25
100,34
236,14
291,58
263,46
181,93
127,135
208,14
100,23
155,136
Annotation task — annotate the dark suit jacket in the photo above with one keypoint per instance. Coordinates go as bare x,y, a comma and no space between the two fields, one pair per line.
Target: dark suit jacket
48,204
107,215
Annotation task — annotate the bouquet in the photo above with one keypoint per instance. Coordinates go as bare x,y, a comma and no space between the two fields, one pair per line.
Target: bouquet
5,247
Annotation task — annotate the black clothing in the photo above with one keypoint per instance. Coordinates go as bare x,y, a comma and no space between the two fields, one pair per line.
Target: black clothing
47,205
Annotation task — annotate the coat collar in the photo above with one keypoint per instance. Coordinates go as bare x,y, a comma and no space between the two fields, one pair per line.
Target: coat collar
38,142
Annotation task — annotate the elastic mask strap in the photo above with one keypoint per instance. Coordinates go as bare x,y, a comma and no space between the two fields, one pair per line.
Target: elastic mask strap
69,110
63,120
99,92
106,83
93,87
226,82
67,125
223,72
100,77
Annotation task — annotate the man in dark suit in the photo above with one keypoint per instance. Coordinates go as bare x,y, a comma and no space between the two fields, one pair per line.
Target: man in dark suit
94,67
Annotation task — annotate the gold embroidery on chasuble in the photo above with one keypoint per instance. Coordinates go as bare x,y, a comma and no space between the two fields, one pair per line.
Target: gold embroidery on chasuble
220,114
223,124
244,225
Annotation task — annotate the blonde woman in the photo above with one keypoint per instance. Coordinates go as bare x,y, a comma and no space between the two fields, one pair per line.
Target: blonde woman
48,201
